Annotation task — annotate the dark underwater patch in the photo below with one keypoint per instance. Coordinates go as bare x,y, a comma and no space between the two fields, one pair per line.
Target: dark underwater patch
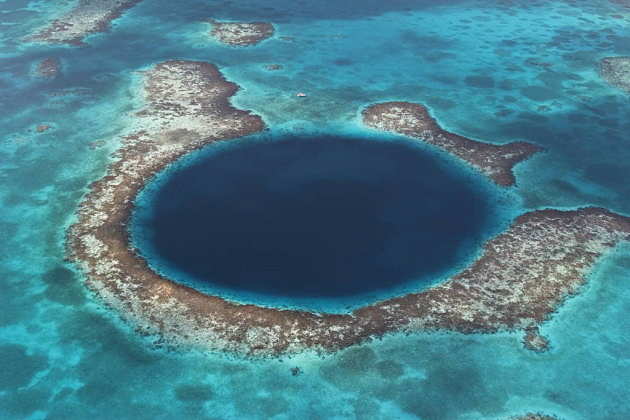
24,402
343,62
18,367
390,369
486,82
194,392
538,93
63,287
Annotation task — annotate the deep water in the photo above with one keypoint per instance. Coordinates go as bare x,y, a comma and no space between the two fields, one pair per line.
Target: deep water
494,70
313,217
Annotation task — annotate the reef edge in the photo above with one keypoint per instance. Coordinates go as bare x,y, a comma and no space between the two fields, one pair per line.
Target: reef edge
413,120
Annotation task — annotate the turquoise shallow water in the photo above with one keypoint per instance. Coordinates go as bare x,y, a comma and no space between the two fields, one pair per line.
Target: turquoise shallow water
493,70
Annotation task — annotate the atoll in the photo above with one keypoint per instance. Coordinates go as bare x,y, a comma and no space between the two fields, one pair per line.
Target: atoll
616,71
241,33
89,16
521,278
414,120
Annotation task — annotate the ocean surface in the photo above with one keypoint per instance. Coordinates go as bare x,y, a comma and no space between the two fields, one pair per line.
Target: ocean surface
497,71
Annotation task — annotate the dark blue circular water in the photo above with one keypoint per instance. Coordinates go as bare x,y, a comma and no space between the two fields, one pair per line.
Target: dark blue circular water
319,216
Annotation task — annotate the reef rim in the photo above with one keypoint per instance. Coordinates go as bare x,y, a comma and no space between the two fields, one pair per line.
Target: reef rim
522,277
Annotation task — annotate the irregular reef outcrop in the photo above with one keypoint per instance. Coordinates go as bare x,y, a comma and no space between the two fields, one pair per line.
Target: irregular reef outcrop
48,68
520,279
274,67
414,120
534,416
241,33
533,340
616,71
89,16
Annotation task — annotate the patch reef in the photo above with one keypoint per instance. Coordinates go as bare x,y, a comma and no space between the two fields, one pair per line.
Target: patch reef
48,68
522,277
241,33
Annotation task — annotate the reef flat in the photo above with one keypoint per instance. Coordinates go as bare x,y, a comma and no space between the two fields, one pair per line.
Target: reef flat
616,71
89,16
414,120
521,278
241,33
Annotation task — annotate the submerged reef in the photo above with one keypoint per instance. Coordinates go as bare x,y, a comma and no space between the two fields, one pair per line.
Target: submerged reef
414,120
520,279
532,340
535,416
48,68
89,16
241,33
616,71
272,67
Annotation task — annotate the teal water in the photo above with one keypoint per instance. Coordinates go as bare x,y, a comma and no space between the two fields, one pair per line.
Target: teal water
493,70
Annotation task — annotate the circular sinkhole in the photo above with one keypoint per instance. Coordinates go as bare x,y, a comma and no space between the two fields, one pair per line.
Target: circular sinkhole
300,219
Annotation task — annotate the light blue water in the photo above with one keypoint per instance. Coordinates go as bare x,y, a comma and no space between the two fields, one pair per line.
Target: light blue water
476,64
